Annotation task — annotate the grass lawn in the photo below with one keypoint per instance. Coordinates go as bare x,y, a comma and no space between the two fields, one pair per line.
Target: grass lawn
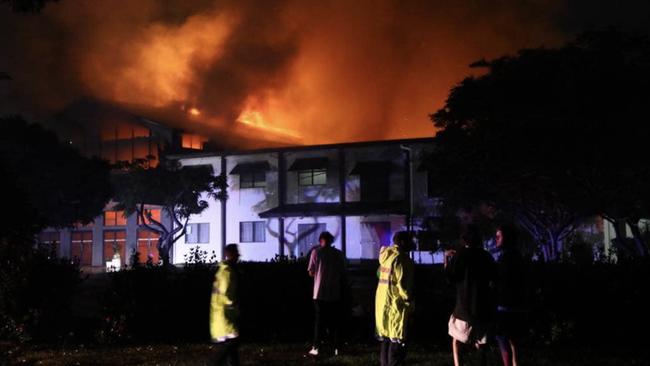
286,355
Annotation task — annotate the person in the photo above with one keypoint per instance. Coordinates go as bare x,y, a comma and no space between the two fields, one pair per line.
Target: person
473,271
224,309
394,299
510,294
327,266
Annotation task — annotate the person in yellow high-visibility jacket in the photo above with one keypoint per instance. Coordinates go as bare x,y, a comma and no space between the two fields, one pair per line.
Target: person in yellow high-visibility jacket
224,309
394,298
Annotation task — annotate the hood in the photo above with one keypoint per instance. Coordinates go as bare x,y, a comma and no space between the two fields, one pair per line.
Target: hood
387,254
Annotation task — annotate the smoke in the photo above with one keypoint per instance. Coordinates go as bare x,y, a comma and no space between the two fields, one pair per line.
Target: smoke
305,71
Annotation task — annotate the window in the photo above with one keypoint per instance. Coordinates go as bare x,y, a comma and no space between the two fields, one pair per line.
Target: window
82,247
308,237
50,240
155,215
114,218
115,242
197,234
252,231
148,246
252,179
191,141
374,187
374,177
312,177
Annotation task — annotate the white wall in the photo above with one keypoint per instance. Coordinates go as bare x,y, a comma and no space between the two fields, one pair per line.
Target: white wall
245,205
211,216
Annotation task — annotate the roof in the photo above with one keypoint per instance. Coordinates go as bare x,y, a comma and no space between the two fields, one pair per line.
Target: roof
356,208
251,167
363,167
199,154
309,164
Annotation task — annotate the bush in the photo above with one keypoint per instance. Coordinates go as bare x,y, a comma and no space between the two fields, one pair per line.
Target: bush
171,304
36,290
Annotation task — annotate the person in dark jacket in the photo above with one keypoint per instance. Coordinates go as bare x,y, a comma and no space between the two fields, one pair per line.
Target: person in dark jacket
510,294
473,271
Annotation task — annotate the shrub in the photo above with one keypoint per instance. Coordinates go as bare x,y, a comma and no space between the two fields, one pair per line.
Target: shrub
36,290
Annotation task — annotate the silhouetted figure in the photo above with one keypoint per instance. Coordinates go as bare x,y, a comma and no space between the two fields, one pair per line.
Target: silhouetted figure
473,271
327,266
394,299
224,309
510,295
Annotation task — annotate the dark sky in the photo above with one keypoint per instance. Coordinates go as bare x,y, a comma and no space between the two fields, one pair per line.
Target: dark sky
310,71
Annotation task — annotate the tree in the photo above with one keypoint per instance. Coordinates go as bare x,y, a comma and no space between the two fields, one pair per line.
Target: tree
180,191
551,135
46,183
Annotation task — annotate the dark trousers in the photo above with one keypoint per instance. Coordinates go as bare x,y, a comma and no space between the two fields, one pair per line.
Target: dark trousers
392,353
227,353
327,317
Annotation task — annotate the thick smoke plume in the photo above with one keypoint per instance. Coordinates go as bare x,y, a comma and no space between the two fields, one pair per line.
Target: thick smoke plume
304,71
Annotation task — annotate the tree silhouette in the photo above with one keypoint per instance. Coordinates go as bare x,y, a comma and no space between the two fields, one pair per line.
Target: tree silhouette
551,136
180,191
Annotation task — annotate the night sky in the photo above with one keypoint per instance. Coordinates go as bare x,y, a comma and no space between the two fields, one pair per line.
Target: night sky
303,71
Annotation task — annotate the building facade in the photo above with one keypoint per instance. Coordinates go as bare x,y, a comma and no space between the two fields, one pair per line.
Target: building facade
281,199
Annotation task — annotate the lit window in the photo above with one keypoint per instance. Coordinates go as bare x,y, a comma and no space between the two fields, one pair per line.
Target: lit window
197,234
114,218
155,216
148,246
252,231
191,141
140,131
115,242
252,179
82,247
312,177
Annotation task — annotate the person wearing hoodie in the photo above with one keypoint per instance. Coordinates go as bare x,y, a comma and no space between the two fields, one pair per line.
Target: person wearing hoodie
394,299
224,309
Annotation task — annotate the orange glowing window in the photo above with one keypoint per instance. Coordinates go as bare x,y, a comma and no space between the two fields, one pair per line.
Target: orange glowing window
114,218
148,246
124,152
82,247
191,141
155,216
124,131
115,242
140,149
139,131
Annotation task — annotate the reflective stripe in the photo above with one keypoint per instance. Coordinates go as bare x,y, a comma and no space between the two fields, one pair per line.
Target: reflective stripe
215,290
225,338
384,282
384,269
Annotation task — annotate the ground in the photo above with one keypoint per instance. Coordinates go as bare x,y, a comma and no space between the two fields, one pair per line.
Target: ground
287,355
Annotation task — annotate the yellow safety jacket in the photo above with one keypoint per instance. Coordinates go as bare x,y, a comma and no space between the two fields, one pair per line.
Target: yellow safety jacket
393,301
224,312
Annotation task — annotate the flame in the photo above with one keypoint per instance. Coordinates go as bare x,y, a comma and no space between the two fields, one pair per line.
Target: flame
255,118
194,111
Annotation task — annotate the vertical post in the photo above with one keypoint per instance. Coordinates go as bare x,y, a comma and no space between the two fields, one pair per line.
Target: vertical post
282,196
408,190
224,168
408,185
342,176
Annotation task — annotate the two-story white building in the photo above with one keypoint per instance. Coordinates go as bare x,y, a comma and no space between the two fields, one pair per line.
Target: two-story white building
281,199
